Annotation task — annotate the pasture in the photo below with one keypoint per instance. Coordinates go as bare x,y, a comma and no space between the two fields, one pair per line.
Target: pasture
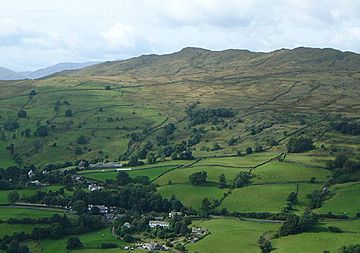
267,197
240,236
345,201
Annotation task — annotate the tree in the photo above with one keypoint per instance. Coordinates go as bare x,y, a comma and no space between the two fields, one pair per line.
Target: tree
134,161
300,144
222,181
292,198
79,206
290,225
107,87
74,243
151,158
22,113
265,245
198,178
249,150
242,179
68,113
205,205
82,140
12,196
123,178
27,132
42,131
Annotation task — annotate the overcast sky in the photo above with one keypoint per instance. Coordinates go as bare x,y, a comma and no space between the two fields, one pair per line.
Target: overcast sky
40,33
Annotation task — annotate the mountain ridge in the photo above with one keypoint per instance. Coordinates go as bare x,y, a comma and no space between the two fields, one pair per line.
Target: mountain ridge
191,60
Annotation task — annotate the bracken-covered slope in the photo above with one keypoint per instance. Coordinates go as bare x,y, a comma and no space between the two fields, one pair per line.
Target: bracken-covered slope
195,61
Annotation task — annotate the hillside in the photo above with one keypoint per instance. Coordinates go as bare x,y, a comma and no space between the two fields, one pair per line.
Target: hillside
265,137
197,61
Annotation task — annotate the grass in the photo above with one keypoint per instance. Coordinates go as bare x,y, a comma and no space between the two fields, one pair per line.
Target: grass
152,173
8,229
17,212
181,175
190,195
345,201
284,172
26,192
231,235
314,242
91,242
243,161
266,198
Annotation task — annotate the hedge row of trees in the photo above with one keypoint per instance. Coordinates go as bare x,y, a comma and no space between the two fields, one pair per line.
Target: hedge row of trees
60,226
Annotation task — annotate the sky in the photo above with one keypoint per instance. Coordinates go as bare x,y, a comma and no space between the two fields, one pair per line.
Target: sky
40,33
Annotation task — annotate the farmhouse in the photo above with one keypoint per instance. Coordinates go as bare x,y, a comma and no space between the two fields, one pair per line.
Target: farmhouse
174,214
158,223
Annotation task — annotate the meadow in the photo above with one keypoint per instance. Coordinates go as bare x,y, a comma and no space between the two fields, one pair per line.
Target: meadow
240,236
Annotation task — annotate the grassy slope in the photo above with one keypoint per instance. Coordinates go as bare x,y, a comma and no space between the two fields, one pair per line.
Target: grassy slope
266,198
91,241
12,212
191,195
240,236
345,201
314,242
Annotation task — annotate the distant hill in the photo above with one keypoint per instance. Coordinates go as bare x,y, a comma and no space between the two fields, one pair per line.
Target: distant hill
56,68
190,61
7,74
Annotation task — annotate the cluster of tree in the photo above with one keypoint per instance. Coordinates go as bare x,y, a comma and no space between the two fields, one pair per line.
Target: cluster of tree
166,134
11,125
196,136
22,113
60,226
242,179
12,245
178,226
123,178
222,181
344,170
347,126
265,245
74,243
28,220
334,229
300,144
205,115
198,178
137,196
13,178
350,249
317,198
258,129
294,224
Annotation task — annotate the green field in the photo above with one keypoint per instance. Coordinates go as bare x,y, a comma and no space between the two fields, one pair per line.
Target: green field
181,175
345,201
288,172
231,235
266,198
314,242
7,229
26,192
91,242
152,173
18,212
191,195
